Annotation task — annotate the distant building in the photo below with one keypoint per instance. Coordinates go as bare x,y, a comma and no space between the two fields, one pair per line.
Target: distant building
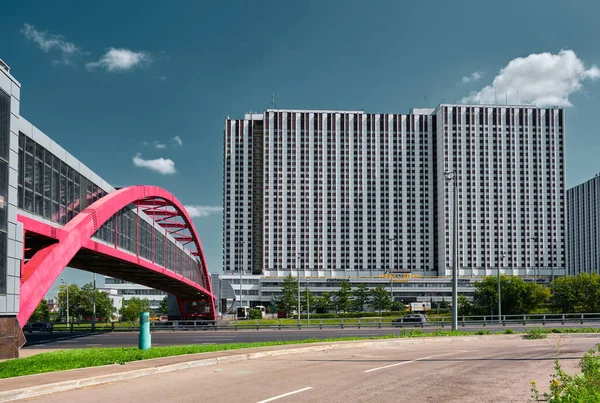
120,291
326,193
583,227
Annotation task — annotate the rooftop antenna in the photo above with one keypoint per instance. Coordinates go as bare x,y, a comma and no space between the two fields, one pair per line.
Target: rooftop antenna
273,105
506,97
517,97
495,96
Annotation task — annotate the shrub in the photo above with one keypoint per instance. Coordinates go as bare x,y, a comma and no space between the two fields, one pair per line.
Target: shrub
536,333
254,314
508,330
482,332
574,388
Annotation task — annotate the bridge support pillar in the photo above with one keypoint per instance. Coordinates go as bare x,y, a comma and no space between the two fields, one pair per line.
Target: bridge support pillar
11,337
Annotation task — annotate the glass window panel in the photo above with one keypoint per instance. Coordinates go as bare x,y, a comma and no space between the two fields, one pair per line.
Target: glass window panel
48,158
4,126
3,198
29,145
47,181
20,168
47,208
38,176
39,152
28,171
20,197
3,242
28,200
76,201
38,204
63,191
62,218
55,212
55,186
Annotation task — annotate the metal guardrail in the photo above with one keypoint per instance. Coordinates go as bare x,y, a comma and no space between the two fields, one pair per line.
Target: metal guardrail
345,323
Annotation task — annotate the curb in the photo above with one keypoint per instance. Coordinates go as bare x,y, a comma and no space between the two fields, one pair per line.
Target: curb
45,389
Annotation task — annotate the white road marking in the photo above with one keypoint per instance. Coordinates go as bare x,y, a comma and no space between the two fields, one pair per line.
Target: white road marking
285,395
417,359
67,341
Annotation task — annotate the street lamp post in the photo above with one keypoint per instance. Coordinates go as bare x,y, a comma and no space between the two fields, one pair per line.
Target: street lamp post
388,268
241,269
63,281
452,176
502,256
94,306
298,272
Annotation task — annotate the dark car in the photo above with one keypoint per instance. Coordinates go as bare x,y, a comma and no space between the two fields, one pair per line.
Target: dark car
415,318
38,327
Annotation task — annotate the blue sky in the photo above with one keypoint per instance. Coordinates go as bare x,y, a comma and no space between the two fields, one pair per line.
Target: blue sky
111,80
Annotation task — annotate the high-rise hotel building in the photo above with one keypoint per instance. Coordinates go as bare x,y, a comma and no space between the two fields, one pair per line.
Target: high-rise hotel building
349,193
583,227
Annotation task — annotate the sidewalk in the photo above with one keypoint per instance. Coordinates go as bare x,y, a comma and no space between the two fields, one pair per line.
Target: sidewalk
42,384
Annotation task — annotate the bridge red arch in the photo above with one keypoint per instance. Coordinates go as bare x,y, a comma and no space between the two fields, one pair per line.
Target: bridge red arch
40,272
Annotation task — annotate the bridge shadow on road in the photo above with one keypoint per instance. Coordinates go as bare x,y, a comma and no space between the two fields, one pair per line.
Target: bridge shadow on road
34,339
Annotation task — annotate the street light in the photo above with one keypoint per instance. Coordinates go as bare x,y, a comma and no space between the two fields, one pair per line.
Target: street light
241,269
448,177
387,268
94,306
502,256
298,272
63,281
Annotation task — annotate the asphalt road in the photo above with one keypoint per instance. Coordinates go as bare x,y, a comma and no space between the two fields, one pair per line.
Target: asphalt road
64,340
424,370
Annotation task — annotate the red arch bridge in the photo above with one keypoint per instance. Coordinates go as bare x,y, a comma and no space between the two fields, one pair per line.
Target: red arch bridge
112,238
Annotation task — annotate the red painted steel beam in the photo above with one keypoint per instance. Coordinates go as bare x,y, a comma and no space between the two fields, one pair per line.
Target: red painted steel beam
40,272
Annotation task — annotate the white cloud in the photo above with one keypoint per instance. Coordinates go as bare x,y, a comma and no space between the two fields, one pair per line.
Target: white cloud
48,42
177,141
472,78
160,165
159,146
121,60
543,79
202,211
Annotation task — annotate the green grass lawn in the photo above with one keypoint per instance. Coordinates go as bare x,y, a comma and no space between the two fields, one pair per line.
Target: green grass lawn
82,358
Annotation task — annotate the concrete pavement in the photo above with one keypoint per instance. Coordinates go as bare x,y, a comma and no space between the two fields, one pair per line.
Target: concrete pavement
446,368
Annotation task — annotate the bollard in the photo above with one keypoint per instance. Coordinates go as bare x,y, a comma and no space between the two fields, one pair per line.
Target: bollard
144,341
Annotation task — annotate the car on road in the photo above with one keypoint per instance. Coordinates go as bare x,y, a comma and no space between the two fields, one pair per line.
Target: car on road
31,327
414,318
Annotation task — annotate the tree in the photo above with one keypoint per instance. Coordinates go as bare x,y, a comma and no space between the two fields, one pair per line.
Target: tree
254,314
133,307
564,297
164,305
379,298
397,306
288,301
41,313
360,295
464,306
589,289
323,302
342,297
576,294
518,296
104,306
75,302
